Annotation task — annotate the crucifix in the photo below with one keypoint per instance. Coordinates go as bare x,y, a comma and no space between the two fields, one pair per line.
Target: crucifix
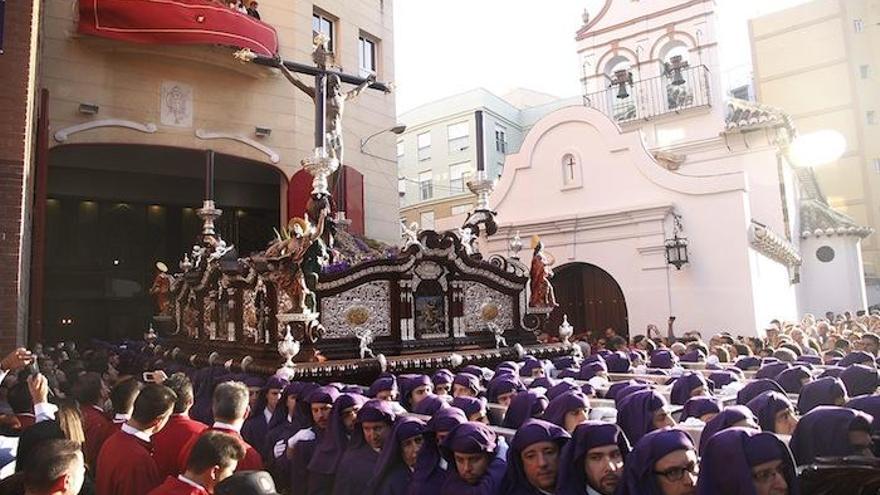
570,164
327,91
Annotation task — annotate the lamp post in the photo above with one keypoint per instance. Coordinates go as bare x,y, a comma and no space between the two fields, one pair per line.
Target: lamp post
397,129
677,247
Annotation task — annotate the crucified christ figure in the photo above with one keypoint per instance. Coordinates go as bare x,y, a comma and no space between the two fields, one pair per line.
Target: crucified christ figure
336,100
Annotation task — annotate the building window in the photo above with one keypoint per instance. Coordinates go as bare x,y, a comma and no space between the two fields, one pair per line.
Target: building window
458,136
401,186
500,139
323,23
426,219
569,169
458,176
366,55
825,254
426,188
400,149
461,209
864,71
871,117
424,140
858,25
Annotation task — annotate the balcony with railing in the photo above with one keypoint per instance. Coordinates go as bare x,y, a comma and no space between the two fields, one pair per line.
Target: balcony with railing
625,100
177,22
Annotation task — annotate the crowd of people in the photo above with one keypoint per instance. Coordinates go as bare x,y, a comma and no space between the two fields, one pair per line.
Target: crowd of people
655,415
243,6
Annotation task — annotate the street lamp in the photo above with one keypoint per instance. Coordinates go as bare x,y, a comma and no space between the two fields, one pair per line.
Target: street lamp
677,247
397,129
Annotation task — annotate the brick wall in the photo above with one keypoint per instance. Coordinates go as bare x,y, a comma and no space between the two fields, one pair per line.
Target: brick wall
16,98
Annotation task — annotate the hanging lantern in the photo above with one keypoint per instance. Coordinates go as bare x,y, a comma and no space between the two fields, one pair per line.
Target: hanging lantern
673,70
622,78
677,247
677,251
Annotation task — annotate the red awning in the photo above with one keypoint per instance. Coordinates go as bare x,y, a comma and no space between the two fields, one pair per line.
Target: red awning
176,22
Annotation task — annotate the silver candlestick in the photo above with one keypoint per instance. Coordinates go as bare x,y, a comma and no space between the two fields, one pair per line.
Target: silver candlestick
320,166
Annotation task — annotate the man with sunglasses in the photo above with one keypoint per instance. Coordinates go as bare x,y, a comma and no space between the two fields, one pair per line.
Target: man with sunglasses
663,462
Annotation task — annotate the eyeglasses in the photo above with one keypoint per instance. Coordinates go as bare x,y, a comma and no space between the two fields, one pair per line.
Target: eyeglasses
766,475
677,473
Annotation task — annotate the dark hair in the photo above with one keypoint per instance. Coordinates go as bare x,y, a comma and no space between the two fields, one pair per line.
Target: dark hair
19,398
214,448
872,337
842,344
650,346
123,395
616,343
182,386
87,389
742,349
153,402
49,461
723,355
793,347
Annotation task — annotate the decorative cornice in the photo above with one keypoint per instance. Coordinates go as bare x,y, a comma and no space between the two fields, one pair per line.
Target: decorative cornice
273,156
62,135
770,244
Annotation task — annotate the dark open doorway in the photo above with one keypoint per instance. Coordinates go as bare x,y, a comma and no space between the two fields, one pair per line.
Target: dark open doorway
591,298
113,211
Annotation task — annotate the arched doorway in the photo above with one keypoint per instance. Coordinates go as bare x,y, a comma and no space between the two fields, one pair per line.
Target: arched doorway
591,298
113,211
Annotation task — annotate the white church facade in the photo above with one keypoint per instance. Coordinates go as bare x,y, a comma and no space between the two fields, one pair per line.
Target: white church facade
658,152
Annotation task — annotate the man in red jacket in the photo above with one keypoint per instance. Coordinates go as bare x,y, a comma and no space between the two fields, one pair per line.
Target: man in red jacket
125,464
91,393
214,458
230,407
55,467
180,430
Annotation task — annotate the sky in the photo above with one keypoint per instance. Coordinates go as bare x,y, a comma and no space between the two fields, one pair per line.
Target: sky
445,47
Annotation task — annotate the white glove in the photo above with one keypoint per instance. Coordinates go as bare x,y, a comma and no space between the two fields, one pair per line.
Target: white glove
280,448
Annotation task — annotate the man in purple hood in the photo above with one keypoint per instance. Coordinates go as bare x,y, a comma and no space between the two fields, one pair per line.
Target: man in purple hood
729,417
775,412
592,461
477,461
442,381
256,427
686,386
384,388
466,384
642,412
663,462
398,459
301,447
329,451
829,431
372,426
568,410
741,461
794,379
525,405
822,392
431,469
501,389
662,359
413,388
755,388
860,379
703,408
533,458
618,362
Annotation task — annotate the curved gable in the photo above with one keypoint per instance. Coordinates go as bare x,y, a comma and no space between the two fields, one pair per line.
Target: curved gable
609,162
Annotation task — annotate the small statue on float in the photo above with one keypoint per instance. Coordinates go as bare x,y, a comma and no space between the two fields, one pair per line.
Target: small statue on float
365,340
410,235
542,294
290,250
466,234
161,289
498,332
